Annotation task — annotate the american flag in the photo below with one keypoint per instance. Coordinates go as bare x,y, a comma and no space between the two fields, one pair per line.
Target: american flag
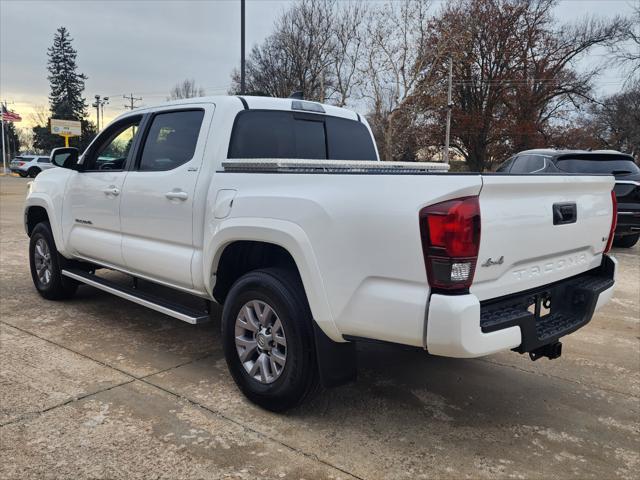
8,116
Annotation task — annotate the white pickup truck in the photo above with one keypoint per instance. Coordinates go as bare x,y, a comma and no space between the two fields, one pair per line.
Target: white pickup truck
280,210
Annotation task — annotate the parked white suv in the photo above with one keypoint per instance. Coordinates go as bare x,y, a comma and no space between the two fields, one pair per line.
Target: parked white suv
280,210
30,165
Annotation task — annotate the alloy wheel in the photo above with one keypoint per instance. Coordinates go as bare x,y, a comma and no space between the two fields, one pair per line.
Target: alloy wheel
260,341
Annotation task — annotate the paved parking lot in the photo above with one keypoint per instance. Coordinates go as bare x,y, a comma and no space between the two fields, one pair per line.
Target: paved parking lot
99,387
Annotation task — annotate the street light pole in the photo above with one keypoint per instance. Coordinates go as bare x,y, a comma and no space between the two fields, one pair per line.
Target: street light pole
96,104
105,101
242,79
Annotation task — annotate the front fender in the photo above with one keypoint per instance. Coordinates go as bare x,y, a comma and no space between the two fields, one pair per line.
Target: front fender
40,199
287,235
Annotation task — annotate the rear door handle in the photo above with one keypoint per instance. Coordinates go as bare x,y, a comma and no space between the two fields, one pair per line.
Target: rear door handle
564,213
112,190
176,195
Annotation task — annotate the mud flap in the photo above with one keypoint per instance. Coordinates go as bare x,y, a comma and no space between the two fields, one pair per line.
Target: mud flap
337,362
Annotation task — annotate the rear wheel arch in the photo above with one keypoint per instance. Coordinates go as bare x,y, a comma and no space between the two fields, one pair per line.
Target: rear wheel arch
243,256
285,236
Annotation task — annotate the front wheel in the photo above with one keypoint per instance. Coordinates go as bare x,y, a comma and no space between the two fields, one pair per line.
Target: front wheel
46,265
627,241
268,339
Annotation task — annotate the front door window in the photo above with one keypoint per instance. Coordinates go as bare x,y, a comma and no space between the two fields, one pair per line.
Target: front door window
112,152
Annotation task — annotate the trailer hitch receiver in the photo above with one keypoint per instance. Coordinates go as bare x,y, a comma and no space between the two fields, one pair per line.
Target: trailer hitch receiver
551,351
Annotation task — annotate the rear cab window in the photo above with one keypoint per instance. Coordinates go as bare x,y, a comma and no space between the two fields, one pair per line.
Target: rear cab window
297,135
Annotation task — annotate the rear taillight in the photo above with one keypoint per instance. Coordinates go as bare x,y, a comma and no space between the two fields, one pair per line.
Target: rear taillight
20,164
614,221
450,234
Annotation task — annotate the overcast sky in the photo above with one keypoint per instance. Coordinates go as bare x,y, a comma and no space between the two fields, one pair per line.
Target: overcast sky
145,47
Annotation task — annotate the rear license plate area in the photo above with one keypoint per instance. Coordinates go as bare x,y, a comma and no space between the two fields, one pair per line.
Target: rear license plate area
540,305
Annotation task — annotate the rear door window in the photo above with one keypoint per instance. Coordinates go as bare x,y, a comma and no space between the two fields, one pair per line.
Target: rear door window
528,164
171,140
504,166
283,134
43,160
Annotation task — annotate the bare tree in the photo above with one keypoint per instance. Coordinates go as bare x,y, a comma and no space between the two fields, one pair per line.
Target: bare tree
40,115
186,89
25,136
393,62
296,56
349,46
615,121
513,75
315,48
626,48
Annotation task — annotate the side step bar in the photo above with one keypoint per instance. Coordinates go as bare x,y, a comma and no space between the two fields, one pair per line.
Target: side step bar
141,298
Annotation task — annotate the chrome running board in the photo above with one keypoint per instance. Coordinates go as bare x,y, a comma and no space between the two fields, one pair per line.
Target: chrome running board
141,298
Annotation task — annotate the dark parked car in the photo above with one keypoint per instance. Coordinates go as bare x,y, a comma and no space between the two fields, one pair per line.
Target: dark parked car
620,165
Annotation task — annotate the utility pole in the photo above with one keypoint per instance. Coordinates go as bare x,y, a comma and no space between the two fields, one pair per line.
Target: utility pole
132,101
242,80
449,108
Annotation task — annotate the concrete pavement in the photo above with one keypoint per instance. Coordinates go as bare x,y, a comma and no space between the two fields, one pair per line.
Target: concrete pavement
99,387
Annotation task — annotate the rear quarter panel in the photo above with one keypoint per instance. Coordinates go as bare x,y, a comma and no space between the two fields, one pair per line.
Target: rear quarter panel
363,235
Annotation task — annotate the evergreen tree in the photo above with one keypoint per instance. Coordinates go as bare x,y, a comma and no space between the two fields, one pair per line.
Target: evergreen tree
65,100
67,85
12,140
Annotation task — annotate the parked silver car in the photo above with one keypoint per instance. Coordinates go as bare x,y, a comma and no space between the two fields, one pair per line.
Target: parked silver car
30,165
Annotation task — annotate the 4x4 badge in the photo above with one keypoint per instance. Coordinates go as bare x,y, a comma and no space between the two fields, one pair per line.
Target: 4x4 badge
490,262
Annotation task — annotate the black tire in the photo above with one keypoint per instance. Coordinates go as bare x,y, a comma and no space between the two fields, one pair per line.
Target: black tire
22,174
33,172
626,241
57,287
282,290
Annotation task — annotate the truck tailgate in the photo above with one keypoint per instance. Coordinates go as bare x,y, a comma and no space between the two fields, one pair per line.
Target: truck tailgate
522,246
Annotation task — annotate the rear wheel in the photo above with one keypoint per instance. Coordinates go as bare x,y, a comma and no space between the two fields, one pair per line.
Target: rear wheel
627,241
268,339
46,265
33,172
22,174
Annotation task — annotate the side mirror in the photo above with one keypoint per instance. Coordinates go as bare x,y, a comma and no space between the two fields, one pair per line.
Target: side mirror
65,157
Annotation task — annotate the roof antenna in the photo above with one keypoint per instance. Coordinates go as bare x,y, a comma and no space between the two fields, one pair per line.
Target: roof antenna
297,95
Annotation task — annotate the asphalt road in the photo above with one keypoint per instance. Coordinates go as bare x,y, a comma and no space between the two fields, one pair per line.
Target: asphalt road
98,387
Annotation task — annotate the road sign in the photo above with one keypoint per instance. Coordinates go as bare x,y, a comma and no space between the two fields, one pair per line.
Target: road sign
66,128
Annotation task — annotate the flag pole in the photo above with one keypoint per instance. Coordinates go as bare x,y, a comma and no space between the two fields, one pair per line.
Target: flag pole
4,157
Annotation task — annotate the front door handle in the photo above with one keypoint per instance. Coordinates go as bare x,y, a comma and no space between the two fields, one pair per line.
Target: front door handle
176,195
112,190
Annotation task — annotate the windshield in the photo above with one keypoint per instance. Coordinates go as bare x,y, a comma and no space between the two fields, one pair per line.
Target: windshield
581,165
